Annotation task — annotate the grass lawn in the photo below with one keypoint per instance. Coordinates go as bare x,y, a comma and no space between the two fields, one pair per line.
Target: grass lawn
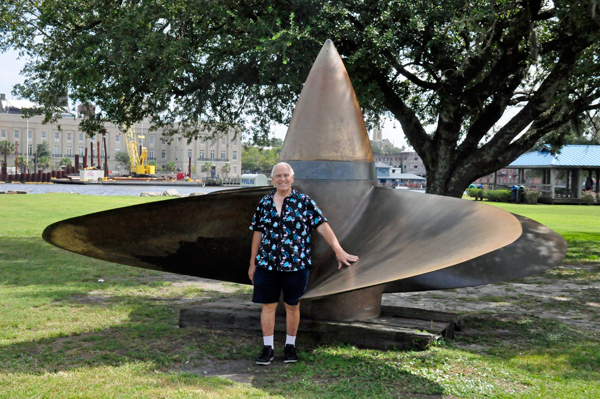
65,335
578,224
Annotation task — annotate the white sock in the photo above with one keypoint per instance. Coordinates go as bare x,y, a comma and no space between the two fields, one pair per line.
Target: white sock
290,340
268,341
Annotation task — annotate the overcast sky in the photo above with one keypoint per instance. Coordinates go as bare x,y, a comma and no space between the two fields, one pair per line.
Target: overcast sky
11,66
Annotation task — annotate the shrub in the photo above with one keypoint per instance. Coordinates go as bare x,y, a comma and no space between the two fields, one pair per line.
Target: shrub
531,195
498,195
476,193
589,197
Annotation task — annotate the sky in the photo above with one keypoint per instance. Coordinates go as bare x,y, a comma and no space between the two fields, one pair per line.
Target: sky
9,72
11,66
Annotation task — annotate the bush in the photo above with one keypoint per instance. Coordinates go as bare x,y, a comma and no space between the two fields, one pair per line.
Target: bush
531,196
589,197
476,193
498,195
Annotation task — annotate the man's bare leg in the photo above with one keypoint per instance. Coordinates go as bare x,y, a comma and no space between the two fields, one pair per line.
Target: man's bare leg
267,318
267,321
292,318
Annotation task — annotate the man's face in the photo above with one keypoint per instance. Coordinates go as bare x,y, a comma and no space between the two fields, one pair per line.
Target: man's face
282,178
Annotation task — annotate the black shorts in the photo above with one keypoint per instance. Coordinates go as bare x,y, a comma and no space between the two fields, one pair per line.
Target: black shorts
268,286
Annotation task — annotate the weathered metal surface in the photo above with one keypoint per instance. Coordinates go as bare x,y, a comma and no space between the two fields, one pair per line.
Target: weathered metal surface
535,251
327,124
333,170
401,234
205,236
361,304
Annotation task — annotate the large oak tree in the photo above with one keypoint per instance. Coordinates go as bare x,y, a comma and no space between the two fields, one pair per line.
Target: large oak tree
446,70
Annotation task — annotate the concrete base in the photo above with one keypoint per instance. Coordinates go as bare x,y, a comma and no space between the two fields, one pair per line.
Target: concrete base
395,327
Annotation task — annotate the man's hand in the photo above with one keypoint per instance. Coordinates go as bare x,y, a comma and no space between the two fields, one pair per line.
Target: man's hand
256,239
344,258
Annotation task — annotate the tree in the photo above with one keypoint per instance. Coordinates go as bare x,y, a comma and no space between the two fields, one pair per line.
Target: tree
447,71
388,149
123,159
22,162
65,161
7,147
208,168
226,169
170,166
585,130
44,162
259,160
43,149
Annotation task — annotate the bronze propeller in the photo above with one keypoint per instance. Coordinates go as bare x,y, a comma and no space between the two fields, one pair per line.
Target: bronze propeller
406,241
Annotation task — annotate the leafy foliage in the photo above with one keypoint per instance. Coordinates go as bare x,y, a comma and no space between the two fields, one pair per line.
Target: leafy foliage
7,146
446,71
498,195
65,161
170,166
589,197
43,149
531,195
208,168
123,159
44,162
259,160
22,162
476,193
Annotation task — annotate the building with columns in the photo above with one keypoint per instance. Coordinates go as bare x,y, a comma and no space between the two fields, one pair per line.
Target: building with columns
69,140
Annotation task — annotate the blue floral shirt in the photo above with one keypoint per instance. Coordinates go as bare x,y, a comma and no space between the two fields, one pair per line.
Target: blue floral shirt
285,244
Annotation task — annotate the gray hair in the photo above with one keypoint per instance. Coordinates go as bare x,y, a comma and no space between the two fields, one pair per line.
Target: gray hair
282,163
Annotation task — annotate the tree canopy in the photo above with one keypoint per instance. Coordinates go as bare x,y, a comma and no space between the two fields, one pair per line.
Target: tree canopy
259,160
44,162
43,149
123,159
448,71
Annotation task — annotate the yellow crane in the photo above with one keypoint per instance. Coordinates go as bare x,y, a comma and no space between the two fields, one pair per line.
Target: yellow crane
138,162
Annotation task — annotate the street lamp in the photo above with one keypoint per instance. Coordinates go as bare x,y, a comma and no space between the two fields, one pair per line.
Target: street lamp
27,150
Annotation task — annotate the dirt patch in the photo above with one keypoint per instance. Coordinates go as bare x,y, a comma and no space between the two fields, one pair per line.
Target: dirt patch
574,299
239,370
182,281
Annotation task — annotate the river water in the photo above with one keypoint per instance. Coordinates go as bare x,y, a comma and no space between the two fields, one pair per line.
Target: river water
98,189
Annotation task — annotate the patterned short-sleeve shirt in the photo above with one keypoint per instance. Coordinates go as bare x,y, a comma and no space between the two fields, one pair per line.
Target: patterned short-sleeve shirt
285,244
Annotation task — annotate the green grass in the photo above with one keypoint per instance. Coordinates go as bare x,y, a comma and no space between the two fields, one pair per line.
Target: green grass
65,335
578,224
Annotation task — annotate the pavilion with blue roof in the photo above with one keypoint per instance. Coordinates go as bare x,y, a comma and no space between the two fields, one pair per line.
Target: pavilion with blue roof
580,165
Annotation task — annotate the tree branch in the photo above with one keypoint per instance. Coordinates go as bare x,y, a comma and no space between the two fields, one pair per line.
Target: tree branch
411,126
408,75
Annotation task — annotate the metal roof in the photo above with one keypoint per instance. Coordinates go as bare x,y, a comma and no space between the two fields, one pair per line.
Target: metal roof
409,176
569,156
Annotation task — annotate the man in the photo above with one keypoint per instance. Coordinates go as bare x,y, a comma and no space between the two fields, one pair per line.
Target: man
280,259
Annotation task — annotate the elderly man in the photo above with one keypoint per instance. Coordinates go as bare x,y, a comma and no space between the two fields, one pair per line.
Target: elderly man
280,260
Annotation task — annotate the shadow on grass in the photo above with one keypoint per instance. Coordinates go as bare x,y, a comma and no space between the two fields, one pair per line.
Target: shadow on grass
31,261
150,335
45,283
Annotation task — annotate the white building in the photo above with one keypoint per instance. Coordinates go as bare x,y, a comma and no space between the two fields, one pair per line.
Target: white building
68,141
